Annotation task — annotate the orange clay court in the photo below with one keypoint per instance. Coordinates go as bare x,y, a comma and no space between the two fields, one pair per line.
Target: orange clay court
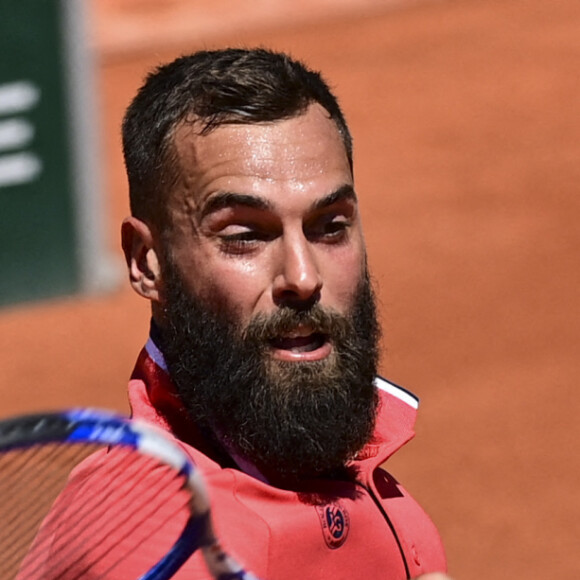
467,153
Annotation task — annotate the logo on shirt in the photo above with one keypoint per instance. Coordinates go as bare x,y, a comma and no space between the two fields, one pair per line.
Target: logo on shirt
335,523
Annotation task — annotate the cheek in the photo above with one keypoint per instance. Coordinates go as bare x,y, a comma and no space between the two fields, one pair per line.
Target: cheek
342,277
234,285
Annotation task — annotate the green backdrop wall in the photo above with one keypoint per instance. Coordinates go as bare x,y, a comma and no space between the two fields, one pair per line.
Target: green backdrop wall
45,226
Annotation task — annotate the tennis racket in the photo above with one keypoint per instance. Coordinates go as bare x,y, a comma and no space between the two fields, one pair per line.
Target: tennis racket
90,494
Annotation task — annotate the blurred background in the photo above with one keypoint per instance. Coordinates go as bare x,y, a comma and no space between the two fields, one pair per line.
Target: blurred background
467,155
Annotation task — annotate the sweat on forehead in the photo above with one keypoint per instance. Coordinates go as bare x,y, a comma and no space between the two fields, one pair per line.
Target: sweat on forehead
280,160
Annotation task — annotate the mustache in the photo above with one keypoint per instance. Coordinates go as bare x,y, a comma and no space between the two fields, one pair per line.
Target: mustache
266,327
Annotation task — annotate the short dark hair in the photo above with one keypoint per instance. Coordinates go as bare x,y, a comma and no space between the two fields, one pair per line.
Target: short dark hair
215,87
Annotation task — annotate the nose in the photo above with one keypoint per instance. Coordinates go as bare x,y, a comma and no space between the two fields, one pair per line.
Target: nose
298,280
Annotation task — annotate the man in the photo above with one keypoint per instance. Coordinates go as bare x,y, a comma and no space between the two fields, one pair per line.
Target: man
246,238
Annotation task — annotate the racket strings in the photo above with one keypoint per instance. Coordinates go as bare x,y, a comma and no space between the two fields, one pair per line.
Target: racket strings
31,478
15,479
92,510
121,501
134,522
167,518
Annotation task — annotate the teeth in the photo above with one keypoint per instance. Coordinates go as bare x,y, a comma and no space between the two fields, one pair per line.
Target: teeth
304,348
299,343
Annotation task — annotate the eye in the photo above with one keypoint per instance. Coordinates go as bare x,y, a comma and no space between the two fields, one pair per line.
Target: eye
242,239
330,228
335,227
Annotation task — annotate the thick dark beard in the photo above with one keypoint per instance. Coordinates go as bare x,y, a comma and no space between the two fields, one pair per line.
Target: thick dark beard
291,420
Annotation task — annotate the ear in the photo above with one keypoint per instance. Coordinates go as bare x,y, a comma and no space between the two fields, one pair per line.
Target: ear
141,258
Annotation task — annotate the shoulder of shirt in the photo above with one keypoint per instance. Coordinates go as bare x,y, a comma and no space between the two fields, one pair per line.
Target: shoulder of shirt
397,391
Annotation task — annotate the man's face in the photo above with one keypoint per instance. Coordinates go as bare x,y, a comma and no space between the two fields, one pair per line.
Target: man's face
265,216
268,321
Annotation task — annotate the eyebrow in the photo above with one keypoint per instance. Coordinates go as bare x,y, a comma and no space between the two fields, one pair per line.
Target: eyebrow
343,193
227,199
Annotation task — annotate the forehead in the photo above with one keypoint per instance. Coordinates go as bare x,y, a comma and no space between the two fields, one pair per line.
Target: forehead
303,153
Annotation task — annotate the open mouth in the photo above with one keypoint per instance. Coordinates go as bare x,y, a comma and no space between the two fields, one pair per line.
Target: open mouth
299,344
